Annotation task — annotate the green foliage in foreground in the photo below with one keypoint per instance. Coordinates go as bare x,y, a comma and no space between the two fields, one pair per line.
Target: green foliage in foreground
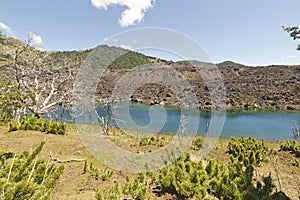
96,173
136,189
25,176
184,179
292,146
197,143
249,151
113,194
187,179
33,123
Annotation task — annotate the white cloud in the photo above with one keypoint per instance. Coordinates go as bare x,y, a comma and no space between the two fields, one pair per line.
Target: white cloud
35,40
6,28
128,47
291,56
133,14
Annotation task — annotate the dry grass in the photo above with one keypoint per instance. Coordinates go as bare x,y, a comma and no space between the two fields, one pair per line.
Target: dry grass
76,185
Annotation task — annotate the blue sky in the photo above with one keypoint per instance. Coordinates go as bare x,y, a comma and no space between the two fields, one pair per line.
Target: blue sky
246,31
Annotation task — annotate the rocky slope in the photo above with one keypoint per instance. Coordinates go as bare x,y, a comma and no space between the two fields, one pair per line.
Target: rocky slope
270,87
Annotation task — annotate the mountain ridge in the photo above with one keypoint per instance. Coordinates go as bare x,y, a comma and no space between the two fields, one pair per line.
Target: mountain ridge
136,57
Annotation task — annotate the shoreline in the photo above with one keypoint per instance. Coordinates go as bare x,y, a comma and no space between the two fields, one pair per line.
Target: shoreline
268,88
230,109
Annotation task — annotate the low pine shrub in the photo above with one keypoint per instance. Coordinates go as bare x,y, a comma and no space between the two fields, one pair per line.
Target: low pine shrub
35,124
248,151
137,188
197,143
25,176
103,175
113,194
291,146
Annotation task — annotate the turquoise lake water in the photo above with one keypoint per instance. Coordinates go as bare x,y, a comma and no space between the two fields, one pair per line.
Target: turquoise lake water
269,125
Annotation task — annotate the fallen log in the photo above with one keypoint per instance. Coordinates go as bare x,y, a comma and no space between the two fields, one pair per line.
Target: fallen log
66,161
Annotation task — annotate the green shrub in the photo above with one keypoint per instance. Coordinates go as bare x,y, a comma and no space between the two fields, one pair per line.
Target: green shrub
103,175
296,163
154,141
197,143
188,179
249,151
35,124
113,194
207,179
136,189
184,178
292,146
26,177
5,118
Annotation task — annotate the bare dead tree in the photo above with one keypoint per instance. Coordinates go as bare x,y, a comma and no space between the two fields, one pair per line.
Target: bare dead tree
296,131
43,85
107,117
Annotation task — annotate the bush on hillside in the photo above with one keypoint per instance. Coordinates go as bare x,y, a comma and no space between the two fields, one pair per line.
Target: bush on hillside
38,124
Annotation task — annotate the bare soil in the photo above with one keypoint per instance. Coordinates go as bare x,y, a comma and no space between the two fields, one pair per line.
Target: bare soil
74,184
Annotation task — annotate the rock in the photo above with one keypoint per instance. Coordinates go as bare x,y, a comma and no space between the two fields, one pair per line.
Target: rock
156,101
162,103
246,87
169,95
290,107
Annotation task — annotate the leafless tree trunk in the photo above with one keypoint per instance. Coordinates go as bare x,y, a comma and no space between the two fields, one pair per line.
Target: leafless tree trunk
42,84
106,118
296,131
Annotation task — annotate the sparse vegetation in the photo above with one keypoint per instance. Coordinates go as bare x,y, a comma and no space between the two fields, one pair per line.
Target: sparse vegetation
98,174
25,176
296,89
208,179
35,124
291,146
154,141
137,188
197,143
185,178
113,194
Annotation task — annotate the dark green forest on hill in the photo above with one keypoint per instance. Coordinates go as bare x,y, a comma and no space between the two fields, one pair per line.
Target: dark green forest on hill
122,58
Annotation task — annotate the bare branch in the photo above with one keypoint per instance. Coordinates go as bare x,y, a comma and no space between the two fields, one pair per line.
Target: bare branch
52,91
66,161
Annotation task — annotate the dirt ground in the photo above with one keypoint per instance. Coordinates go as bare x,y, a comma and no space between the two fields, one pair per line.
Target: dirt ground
75,185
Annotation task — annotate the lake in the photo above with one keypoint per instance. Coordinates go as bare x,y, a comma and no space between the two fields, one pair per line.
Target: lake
269,125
